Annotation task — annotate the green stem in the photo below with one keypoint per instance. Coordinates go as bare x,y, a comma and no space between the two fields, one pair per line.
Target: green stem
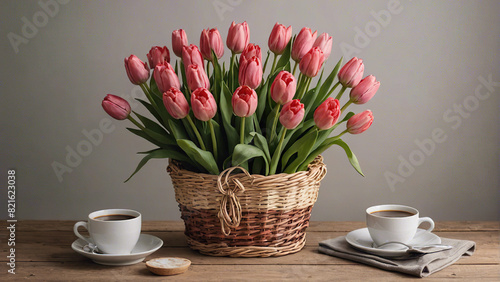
338,136
147,87
196,132
148,95
308,79
231,72
129,117
341,92
299,86
242,131
275,121
208,70
277,153
345,106
265,63
333,89
274,64
294,68
214,140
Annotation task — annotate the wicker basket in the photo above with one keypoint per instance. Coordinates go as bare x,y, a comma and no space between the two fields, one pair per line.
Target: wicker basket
243,215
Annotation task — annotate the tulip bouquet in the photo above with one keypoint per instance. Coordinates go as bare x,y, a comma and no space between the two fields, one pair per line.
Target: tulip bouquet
214,116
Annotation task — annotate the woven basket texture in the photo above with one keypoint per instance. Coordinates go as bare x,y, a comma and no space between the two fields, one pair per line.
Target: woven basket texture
242,215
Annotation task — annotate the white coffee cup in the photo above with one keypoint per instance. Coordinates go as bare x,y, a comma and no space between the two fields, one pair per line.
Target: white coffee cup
113,231
394,223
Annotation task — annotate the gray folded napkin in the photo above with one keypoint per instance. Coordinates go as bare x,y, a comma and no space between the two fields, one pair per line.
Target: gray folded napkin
420,266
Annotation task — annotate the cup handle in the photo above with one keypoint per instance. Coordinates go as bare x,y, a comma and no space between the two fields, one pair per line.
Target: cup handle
75,229
426,219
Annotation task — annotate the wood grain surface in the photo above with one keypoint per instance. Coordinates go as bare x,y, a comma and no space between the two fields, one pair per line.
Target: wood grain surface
43,253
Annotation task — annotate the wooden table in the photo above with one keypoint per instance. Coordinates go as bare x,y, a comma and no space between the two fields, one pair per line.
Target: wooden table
43,253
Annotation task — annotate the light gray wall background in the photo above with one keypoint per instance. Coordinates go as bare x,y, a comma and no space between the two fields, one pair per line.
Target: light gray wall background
438,63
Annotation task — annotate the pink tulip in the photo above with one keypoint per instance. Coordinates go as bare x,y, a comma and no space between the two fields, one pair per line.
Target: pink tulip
165,77
327,114
196,77
279,38
358,123
203,104
252,50
303,43
244,101
250,72
179,40
283,87
175,102
351,73
292,114
191,55
312,62
365,90
324,42
158,55
238,37
137,70
116,107
210,39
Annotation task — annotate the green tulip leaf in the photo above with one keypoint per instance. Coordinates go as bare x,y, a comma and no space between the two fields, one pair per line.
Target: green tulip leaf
197,155
176,68
184,81
258,166
151,125
272,137
218,77
144,135
350,155
310,96
249,127
298,132
189,130
262,97
162,111
151,109
160,154
285,57
323,92
177,129
245,152
156,131
154,87
265,62
227,115
301,148
326,144
261,142
221,147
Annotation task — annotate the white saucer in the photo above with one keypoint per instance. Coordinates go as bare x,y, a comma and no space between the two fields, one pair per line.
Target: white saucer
360,239
146,245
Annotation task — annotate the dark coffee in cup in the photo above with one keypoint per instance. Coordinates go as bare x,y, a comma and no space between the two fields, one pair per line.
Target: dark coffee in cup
114,217
392,213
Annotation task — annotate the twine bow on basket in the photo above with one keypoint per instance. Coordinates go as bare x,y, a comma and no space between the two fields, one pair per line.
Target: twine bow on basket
230,207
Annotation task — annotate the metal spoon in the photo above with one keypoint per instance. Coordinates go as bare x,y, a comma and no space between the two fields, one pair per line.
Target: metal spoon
419,249
92,248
